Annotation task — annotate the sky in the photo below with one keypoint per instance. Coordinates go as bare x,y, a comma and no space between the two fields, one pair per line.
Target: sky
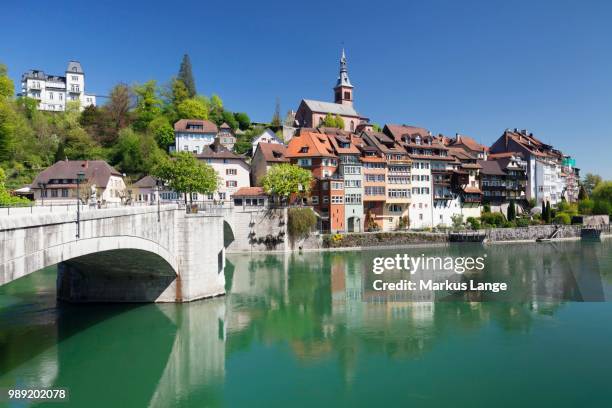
468,67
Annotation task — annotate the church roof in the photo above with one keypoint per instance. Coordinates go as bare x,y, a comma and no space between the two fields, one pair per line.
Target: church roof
330,107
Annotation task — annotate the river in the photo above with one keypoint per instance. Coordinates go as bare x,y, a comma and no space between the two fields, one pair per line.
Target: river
308,330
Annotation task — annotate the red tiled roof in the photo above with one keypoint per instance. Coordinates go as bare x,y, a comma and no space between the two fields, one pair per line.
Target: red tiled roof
310,144
471,144
472,190
397,131
207,126
273,152
250,192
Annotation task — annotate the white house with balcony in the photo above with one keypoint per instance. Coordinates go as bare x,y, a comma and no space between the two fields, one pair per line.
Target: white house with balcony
54,91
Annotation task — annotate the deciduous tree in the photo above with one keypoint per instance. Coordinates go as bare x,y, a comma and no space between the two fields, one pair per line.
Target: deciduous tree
285,179
184,173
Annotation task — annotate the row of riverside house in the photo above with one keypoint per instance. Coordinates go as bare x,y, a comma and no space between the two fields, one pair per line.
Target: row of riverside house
405,177
399,177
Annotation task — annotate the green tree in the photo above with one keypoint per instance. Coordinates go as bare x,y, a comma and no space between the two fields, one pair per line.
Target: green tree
8,125
179,92
7,88
6,199
285,179
163,131
339,122
216,109
136,153
590,182
184,173
457,220
228,117
185,75
511,214
243,120
148,104
193,108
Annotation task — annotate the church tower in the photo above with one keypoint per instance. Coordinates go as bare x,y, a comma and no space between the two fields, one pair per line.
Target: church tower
343,91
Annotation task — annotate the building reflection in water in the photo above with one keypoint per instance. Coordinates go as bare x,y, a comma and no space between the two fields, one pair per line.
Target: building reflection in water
322,304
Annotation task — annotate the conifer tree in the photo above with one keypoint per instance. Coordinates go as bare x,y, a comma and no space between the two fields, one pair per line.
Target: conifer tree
186,75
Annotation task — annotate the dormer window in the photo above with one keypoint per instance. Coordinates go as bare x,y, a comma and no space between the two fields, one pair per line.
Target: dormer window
304,149
417,140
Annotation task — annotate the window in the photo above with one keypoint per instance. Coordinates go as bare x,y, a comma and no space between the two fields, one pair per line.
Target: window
395,208
375,190
231,172
64,192
399,193
352,126
53,193
304,162
231,183
304,149
210,196
221,196
352,170
325,200
315,200
336,185
352,199
51,95
375,177
337,199
347,95
352,183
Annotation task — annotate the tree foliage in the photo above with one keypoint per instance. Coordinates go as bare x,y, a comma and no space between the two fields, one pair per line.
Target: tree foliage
184,173
285,179
301,222
511,214
590,181
333,121
185,75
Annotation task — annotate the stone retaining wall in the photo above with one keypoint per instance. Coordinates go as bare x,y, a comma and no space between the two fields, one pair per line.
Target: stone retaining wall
532,233
375,239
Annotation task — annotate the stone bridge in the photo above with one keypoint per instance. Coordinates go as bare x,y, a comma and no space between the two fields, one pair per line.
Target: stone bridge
131,254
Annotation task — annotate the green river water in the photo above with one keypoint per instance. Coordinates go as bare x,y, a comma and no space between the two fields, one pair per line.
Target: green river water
305,330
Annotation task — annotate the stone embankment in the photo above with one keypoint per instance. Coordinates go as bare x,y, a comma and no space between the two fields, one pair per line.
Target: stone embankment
399,238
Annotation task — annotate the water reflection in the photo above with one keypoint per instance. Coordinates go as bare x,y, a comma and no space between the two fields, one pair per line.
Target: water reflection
302,320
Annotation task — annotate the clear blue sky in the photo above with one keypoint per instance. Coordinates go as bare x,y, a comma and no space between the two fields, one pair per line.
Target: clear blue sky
473,67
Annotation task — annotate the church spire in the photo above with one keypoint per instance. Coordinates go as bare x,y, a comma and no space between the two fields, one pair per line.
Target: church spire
343,91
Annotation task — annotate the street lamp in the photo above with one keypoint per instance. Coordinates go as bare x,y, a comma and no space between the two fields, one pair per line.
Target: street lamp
43,192
159,183
80,179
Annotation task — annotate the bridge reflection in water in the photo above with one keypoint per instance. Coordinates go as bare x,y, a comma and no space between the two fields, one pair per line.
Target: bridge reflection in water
286,316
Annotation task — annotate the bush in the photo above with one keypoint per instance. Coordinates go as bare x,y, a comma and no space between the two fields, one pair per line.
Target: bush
301,222
474,223
457,220
509,224
602,208
562,218
493,219
522,222
585,206
486,208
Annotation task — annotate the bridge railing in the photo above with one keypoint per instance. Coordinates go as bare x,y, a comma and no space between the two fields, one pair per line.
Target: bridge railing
37,208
